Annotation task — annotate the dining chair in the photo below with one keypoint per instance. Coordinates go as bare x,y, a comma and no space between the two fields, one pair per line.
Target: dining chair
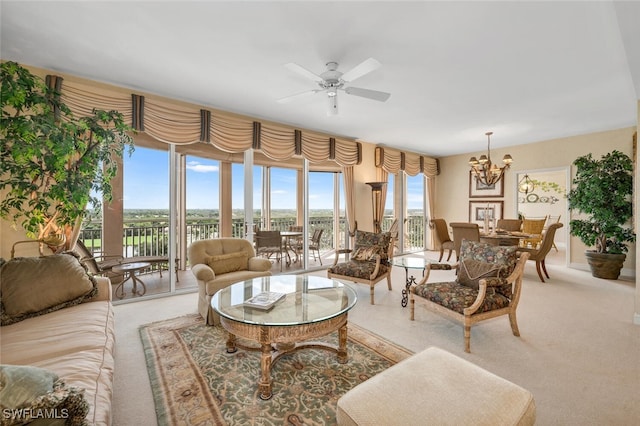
510,225
533,227
442,237
314,244
269,243
540,254
550,221
464,231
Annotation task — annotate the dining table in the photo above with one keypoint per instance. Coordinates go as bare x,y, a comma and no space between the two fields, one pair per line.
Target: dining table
503,238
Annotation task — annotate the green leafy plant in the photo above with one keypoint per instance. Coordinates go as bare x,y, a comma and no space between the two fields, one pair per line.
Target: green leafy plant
53,164
603,192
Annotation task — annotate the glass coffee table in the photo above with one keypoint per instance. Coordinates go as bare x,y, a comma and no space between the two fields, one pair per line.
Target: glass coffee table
310,308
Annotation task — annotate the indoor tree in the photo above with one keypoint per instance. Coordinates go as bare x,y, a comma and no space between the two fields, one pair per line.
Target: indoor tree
603,192
53,163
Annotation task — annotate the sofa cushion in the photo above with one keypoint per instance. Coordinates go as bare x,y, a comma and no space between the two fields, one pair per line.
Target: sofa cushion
456,297
358,269
76,343
230,262
32,286
29,393
503,256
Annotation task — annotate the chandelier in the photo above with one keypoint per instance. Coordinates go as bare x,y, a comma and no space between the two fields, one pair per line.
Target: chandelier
486,172
526,185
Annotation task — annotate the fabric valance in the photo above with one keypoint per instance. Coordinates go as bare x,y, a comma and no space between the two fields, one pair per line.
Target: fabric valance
178,123
411,163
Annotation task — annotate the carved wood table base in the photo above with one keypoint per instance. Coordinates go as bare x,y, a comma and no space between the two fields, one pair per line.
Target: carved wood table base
276,341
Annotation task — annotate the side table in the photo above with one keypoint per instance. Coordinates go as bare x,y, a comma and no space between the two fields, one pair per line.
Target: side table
130,269
411,263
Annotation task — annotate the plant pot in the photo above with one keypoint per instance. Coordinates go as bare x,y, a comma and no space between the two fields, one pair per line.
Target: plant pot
605,265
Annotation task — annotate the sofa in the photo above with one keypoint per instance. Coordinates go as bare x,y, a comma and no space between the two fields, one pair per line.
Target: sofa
58,342
220,262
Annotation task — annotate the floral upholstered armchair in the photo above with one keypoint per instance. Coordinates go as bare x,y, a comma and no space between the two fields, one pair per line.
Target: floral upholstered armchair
487,285
370,260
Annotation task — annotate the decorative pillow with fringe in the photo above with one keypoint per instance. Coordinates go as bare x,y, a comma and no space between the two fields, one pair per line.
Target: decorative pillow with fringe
33,286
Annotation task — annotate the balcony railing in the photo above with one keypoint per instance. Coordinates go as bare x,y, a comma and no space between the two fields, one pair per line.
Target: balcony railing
144,237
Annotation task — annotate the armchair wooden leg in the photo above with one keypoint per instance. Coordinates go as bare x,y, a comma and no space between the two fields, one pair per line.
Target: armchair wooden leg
371,291
448,257
389,282
412,307
467,338
514,324
442,254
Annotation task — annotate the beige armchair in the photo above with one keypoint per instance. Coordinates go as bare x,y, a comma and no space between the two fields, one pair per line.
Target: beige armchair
220,262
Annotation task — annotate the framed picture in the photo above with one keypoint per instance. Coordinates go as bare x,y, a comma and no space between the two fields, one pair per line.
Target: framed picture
480,190
479,209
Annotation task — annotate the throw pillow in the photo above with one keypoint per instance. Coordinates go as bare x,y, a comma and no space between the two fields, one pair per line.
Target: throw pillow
366,253
472,271
34,394
32,286
504,256
230,262
380,241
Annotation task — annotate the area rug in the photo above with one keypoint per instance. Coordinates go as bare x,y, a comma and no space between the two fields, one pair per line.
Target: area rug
196,382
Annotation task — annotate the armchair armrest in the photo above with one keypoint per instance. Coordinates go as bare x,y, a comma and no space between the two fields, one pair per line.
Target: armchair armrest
338,253
104,290
203,272
259,264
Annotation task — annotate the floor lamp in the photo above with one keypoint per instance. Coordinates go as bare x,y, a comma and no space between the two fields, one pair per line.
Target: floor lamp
378,208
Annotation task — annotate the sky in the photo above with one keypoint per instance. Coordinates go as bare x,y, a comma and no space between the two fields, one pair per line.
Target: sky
146,183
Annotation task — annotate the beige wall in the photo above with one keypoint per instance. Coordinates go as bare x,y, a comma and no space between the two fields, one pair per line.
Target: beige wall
452,185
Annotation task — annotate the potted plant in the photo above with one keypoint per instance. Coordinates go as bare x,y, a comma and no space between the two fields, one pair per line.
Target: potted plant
603,191
53,163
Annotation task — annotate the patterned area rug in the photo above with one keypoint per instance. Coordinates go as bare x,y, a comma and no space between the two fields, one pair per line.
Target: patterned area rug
195,382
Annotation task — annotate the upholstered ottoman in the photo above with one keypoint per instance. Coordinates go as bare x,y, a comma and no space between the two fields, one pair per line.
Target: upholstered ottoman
435,387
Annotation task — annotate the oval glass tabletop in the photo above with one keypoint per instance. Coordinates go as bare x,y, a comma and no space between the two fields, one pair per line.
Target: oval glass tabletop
307,299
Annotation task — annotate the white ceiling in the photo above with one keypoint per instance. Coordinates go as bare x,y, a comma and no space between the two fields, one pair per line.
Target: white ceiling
528,71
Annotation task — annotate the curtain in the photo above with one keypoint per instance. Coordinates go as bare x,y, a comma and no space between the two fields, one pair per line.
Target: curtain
382,176
349,199
430,185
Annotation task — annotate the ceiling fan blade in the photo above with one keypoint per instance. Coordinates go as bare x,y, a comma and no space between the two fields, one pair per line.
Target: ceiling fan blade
367,93
301,95
360,70
333,105
291,66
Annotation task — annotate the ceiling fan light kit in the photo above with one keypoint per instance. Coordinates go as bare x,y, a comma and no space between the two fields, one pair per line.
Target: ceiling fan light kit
487,172
332,80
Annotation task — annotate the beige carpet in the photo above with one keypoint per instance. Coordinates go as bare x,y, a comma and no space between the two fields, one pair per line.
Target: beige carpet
579,352
194,379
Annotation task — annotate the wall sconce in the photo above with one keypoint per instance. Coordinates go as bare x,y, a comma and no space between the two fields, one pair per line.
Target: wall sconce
376,202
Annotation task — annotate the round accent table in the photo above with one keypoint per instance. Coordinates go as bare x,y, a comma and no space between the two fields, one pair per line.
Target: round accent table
129,270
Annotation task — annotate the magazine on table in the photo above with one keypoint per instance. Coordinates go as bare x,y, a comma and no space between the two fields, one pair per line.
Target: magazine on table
264,300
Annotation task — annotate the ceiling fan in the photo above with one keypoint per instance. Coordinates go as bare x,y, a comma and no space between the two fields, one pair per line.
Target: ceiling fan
333,80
